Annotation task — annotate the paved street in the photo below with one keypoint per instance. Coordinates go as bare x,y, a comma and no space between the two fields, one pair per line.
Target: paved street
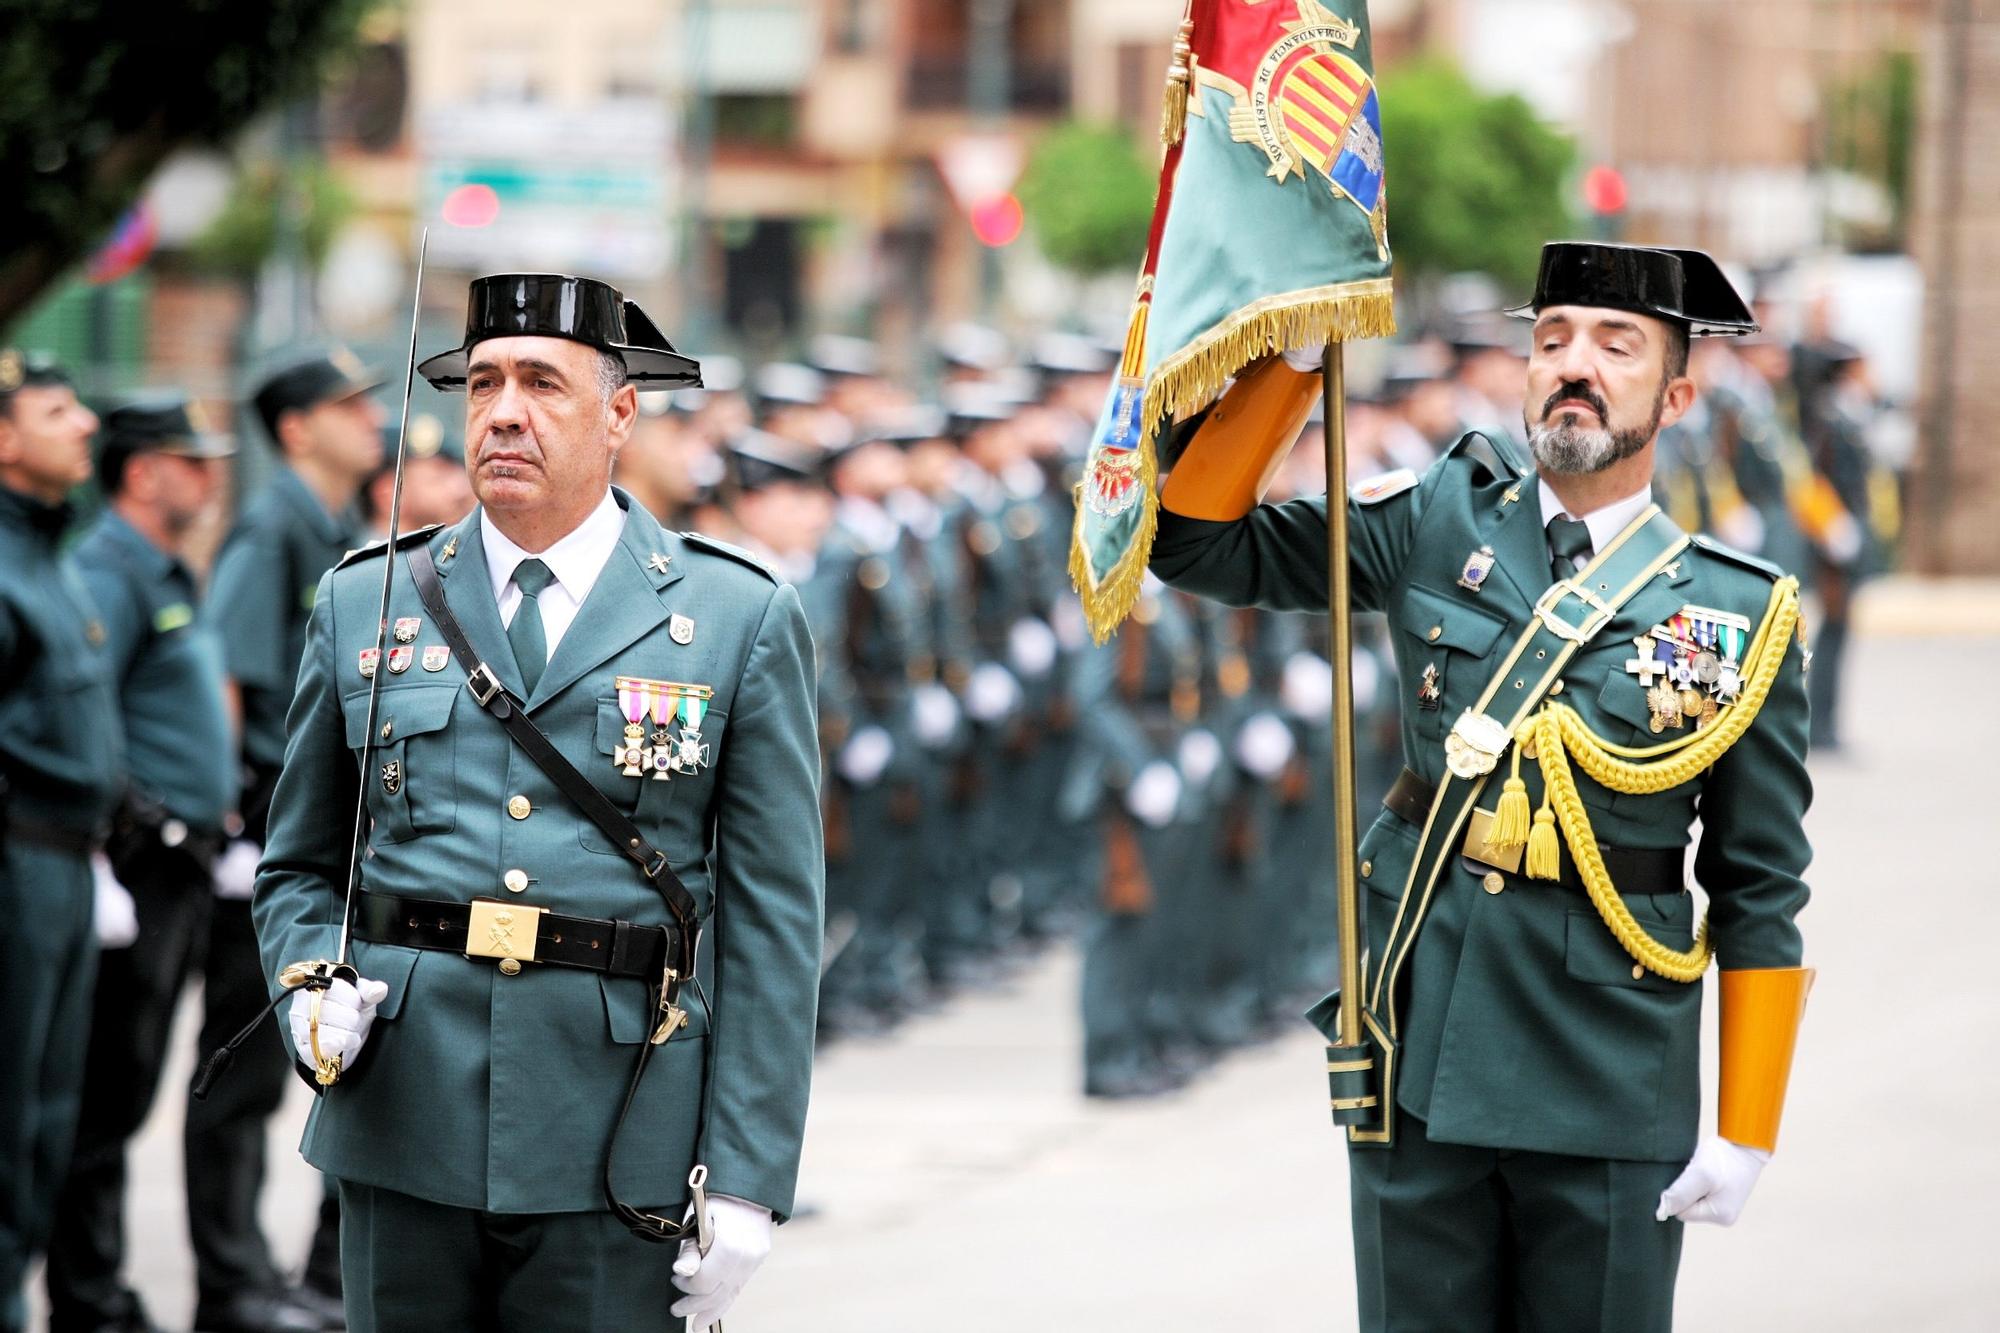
960,1183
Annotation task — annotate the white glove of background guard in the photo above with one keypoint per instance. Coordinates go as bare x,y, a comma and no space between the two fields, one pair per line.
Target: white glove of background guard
1200,755
864,757
345,1015
113,912
1264,746
1715,1185
1031,646
742,1240
934,712
1155,795
236,870
992,693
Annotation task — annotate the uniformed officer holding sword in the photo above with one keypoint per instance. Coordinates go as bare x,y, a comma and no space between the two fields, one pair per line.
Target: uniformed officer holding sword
1524,1104
527,1038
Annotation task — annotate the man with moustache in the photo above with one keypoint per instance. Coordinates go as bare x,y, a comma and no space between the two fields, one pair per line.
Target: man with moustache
1524,1105
517,1077
62,760
318,413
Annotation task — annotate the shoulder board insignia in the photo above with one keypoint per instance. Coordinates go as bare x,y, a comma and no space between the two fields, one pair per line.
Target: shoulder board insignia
403,539
1743,558
736,553
1377,489
1496,456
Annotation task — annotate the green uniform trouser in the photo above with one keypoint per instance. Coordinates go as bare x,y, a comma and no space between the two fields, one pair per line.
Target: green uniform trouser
50,952
411,1266
1483,1240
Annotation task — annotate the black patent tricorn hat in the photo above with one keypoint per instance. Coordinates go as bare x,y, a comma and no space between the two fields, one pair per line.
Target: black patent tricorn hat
556,305
1683,285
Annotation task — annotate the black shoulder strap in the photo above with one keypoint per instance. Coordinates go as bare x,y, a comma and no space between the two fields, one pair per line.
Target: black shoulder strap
506,709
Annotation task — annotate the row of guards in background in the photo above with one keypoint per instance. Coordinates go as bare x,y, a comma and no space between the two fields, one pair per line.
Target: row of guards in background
993,779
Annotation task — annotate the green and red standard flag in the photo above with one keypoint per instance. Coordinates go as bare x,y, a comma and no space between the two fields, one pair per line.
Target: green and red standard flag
1270,231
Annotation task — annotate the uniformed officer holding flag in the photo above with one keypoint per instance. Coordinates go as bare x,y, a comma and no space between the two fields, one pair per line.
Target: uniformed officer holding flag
529,1058
1582,681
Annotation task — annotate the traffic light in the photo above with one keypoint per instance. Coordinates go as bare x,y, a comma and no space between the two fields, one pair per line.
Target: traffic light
472,205
997,222
1604,193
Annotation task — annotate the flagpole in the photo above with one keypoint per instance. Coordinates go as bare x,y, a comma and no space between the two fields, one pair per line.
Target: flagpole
1333,387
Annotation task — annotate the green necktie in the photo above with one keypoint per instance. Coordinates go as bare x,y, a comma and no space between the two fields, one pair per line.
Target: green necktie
1568,539
524,633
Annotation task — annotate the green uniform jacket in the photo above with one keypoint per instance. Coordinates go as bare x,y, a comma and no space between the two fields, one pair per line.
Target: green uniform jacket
492,1092
265,581
166,671
1516,1016
62,752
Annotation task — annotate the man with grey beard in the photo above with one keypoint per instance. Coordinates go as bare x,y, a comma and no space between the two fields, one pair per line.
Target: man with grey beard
1523,1107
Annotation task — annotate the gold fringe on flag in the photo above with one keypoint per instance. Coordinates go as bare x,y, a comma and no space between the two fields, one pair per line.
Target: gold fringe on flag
1194,377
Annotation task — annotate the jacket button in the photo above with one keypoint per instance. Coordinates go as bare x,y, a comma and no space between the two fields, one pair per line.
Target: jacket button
516,881
1638,972
1556,688
1437,632
519,807
1493,882
387,728
510,967
1367,869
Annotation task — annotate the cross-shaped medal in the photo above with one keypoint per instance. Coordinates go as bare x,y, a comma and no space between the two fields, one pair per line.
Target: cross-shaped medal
659,562
1513,494
1645,666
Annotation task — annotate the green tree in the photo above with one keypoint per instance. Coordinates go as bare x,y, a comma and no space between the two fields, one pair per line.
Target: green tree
95,95
1871,130
1088,195
1475,181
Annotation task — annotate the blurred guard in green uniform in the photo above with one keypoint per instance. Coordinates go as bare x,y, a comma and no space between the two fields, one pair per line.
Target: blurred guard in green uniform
1524,1106
160,471
876,645
523,993
327,431
62,765
1136,697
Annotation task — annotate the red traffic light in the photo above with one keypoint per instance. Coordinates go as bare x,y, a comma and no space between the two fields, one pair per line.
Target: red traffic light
472,205
1604,190
997,222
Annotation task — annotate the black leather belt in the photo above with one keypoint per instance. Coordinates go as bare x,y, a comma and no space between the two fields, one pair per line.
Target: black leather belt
619,948
56,837
1634,871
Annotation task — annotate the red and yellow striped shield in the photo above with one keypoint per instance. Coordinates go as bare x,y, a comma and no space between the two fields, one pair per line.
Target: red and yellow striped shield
1317,94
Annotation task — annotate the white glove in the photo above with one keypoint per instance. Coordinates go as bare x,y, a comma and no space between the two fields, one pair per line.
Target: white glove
1306,360
713,1282
1264,746
933,712
1031,646
1155,795
1715,1185
992,693
1072,630
1200,754
1307,689
345,1015
113,912
236,870
865,755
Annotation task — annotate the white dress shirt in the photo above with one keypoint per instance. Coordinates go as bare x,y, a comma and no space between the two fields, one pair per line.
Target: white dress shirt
1604,524
576,561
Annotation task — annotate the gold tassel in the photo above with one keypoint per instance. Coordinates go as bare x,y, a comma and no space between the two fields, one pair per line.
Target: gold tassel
1544,847
1510,821
1180,77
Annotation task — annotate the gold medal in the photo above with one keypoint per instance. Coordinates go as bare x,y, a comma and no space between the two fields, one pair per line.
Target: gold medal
631,757
1691,701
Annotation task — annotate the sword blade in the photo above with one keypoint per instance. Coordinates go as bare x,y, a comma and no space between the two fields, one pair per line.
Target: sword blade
359,843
